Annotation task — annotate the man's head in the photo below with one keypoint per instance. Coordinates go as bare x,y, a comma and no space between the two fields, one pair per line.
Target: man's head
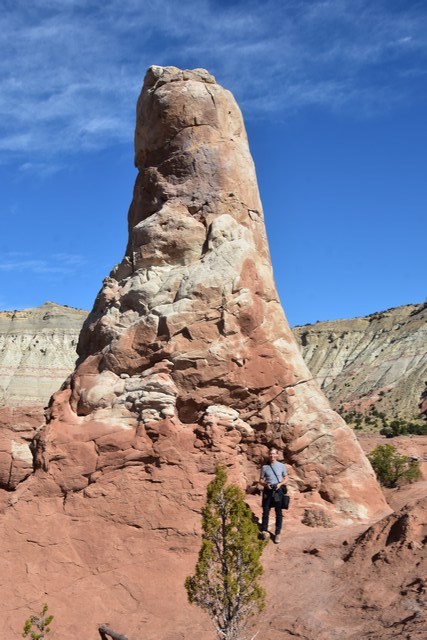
273,455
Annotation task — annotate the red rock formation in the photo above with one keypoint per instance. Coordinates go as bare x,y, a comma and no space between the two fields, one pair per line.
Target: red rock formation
185,361
187,334
343,583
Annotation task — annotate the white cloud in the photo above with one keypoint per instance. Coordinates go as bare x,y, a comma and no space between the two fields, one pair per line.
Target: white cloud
71,70
42,169
69,259
57,264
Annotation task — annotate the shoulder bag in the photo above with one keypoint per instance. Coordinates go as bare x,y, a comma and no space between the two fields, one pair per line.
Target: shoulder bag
281,495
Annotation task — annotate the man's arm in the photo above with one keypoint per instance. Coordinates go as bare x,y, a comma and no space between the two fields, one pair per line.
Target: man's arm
283,482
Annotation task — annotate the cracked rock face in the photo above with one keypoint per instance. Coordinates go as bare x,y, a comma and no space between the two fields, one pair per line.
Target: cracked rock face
187,338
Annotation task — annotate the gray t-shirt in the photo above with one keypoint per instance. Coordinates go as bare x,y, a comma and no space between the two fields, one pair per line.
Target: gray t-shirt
268,474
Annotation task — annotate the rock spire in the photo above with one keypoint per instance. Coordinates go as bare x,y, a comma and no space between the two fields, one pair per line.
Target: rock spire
186,357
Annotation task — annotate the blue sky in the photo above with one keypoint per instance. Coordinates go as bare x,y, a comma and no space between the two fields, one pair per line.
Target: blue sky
334,96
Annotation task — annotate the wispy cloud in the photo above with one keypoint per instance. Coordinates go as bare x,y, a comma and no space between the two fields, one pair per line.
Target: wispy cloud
57,264
42,169
71,70
69,260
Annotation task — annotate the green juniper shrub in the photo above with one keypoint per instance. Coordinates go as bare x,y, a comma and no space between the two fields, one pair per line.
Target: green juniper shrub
226,580
417,429
390,466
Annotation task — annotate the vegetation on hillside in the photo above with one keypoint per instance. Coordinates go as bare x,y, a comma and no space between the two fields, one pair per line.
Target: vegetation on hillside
376,420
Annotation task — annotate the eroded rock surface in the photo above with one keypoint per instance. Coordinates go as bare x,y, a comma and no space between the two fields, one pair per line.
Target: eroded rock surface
351,583
386,574
18,426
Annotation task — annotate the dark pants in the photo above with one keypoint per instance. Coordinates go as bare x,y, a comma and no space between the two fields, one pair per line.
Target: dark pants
267,504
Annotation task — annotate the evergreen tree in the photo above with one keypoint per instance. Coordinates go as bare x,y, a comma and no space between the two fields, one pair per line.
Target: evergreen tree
226,581
390,466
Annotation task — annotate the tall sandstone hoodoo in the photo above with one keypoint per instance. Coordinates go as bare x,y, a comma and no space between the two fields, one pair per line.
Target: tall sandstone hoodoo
187,358
185,361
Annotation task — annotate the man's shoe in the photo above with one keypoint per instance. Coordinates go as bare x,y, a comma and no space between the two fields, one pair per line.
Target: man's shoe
277,538
265,535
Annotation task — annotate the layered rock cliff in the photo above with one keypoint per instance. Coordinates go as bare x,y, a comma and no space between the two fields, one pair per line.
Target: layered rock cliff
37,352
379,361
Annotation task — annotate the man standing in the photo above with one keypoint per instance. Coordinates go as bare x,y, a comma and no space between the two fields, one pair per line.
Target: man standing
273,478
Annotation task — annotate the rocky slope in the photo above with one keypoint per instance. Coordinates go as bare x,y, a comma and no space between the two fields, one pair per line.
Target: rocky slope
377,362
185,361
37,352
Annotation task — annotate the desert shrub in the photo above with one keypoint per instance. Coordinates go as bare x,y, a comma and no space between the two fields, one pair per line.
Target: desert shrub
390,466
37,626
417,429
400,427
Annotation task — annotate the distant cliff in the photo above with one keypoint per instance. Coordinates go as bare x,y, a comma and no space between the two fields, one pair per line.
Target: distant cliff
373,364
37,352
